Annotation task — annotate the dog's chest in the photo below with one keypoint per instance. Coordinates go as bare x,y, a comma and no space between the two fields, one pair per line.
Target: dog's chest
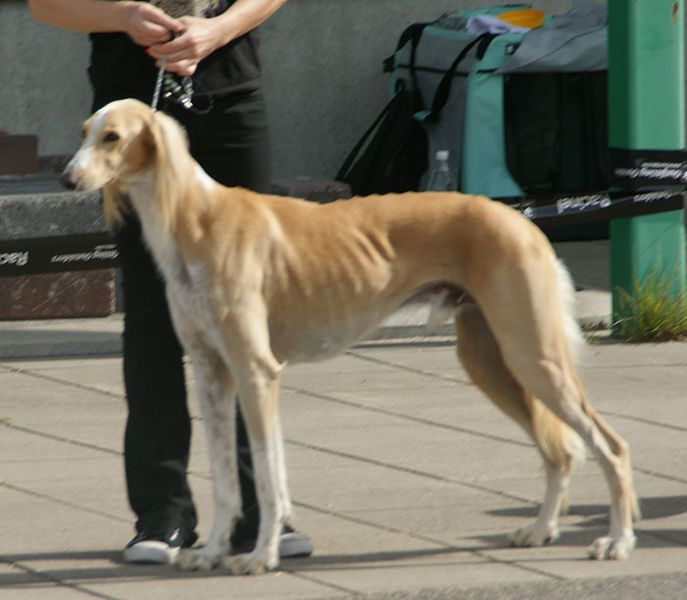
189,293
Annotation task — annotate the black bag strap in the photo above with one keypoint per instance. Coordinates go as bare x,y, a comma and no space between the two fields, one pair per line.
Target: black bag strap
363,140
411,34
444,88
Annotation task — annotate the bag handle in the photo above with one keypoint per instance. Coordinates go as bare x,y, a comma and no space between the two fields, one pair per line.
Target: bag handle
361,142
444,88
412,34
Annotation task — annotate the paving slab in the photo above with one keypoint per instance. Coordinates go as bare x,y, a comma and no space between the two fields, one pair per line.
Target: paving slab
406,478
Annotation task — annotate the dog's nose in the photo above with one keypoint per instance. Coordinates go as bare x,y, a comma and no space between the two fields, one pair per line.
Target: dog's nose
67,181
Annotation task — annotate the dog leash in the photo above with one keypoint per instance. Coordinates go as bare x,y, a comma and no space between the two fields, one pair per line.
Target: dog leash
158,85
173,90
179,92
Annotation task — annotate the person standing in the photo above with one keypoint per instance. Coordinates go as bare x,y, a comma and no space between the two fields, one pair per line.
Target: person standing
228,135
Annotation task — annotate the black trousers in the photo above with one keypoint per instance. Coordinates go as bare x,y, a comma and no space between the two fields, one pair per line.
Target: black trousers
231,143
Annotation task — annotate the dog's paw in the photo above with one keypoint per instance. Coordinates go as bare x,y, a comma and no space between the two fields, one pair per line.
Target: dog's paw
534,535
248,564
610,548
198,559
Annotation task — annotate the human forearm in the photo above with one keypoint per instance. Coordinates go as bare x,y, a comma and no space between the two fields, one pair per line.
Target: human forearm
144,23
80,15
245,15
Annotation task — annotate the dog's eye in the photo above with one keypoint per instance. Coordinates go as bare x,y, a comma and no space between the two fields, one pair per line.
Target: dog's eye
110,137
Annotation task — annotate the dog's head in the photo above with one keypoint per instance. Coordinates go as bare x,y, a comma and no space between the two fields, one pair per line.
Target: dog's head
121,142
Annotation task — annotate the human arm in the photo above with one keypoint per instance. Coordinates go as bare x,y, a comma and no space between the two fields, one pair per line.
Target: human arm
201,37
143,23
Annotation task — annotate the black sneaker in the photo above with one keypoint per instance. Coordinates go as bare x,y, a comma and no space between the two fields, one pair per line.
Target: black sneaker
157,548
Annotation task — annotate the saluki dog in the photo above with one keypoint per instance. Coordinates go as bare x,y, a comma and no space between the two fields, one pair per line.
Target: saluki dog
257,281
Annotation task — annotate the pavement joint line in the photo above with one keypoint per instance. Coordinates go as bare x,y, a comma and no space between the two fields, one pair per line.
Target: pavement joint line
118,453
61,502
407,369
444,547
644,421
55,580
649,472
571,511
479,434
52,379
468,383
653,473
633,366
350,593
59,438
405,417
441,543
411,471
100,391
450,547
421,341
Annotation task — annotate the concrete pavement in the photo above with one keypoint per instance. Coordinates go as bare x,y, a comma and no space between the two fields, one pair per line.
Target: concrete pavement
405,477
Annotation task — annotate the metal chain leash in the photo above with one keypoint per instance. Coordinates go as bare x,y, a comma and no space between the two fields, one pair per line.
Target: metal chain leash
167,85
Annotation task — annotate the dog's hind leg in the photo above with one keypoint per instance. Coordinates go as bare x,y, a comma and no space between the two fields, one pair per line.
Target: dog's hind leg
536,352
559,447
566,397
613,453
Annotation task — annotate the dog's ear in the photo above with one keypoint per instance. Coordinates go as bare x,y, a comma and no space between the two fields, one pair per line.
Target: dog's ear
172,163
115,205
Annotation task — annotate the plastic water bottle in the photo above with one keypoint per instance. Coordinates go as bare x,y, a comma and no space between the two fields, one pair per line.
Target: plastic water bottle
440,179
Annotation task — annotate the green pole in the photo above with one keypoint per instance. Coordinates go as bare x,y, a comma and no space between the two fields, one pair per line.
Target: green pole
646,95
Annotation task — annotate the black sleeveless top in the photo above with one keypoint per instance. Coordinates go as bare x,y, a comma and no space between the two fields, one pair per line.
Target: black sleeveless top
120,68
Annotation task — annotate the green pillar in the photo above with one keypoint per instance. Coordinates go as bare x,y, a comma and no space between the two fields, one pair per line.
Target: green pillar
646,95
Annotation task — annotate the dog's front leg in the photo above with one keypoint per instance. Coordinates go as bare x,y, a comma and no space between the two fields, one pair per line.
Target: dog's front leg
217,398
258,398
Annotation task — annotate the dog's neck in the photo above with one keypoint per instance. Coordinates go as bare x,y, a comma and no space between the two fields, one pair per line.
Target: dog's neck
156,232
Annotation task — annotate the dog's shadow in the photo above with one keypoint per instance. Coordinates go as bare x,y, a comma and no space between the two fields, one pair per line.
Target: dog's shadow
586,517
655,507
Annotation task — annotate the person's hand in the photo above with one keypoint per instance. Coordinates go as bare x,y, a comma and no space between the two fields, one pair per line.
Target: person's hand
148,25
199,38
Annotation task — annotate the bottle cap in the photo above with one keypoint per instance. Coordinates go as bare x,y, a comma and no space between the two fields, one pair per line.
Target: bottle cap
442,155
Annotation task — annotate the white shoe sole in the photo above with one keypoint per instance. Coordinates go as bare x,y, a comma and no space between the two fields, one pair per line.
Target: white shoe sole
151,552
294,545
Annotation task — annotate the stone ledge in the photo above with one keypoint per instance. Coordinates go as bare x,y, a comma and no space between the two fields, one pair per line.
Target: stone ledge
34,207
37,212
39,215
